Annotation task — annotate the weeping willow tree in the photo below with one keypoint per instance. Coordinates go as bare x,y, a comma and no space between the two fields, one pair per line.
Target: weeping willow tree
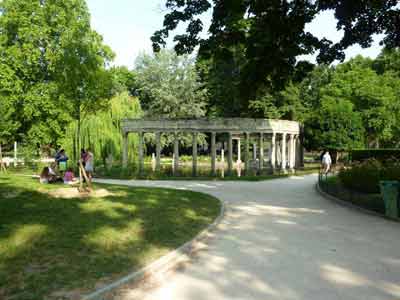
102,132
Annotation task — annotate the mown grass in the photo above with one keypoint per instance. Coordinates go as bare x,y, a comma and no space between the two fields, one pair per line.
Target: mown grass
52,246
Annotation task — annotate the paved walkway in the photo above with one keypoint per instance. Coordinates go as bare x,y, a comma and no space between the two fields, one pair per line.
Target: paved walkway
281,240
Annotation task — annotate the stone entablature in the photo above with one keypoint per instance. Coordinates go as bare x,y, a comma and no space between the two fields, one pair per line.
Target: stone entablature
233,125
284,139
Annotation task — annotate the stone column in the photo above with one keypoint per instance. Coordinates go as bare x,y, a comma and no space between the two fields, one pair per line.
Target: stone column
291,151
176,153
141,154
239,160
254,151
158,151
230,154
194,154
125,150
213,154
298,152
283,152
261,151
247,152
294,164
273,152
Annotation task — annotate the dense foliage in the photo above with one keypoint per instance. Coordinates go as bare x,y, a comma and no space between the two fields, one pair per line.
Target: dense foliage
51,68
101,132
365,176
259,41
56,80
378,154
169,86
352,105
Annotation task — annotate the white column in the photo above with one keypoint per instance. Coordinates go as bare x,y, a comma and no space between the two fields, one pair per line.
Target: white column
230,154
158,151
176,153
239,160
247,152
15,154
273,151
141,153
283,152
125,150
261,151
291,151
213,154
194,154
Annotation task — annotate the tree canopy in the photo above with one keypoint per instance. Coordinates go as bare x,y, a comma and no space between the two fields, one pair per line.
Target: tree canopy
51,65
169,86
272,34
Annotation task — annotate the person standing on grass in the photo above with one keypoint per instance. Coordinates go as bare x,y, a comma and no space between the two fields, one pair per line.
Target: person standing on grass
61,160
83,156
326,162
89,162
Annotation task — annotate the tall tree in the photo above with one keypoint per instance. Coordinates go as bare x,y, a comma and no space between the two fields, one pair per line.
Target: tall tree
334,125
169,86
56,62
272,34
372,95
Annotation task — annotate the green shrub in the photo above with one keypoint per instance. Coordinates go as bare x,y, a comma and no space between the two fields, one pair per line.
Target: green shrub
362,177
378,154
365,176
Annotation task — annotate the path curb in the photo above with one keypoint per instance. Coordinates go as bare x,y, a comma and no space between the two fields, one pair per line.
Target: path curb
351,205
164,264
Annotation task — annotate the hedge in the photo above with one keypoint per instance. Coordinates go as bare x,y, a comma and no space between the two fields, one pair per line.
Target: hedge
378,154
365,176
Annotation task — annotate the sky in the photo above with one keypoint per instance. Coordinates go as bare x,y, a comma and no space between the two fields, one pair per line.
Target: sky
127,25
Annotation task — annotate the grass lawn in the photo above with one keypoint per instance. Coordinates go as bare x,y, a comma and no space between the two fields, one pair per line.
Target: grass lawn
51,246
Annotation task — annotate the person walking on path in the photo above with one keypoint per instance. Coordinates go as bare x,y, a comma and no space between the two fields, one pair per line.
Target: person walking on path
326,162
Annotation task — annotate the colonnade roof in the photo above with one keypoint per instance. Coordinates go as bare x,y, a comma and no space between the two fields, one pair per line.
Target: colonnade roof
221,125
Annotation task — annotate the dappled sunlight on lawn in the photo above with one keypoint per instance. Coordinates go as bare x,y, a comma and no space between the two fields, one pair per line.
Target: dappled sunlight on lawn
21,239
69,245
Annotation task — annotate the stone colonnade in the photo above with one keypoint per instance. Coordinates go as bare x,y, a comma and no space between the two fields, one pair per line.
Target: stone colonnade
284,138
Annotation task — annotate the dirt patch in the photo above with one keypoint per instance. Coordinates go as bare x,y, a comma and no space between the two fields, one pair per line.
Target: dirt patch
73,192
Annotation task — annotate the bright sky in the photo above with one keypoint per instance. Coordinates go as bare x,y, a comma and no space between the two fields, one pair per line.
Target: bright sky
127,26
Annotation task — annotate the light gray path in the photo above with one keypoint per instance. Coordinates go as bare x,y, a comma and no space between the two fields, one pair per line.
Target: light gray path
281,240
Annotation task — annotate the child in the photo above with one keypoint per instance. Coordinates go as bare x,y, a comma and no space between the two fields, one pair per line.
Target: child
69,177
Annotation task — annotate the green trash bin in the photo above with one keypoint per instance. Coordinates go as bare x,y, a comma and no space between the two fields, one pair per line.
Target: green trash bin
390,194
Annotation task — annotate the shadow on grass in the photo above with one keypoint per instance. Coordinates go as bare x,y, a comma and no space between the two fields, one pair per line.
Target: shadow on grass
50,246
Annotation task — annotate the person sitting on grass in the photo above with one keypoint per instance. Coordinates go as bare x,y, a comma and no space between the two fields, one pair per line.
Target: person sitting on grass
53,170
69,177
45,176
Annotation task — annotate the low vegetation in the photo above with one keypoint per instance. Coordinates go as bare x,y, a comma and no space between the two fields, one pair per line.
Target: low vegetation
365,176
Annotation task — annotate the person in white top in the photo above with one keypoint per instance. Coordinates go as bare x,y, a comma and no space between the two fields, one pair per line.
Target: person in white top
89,161
326,162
